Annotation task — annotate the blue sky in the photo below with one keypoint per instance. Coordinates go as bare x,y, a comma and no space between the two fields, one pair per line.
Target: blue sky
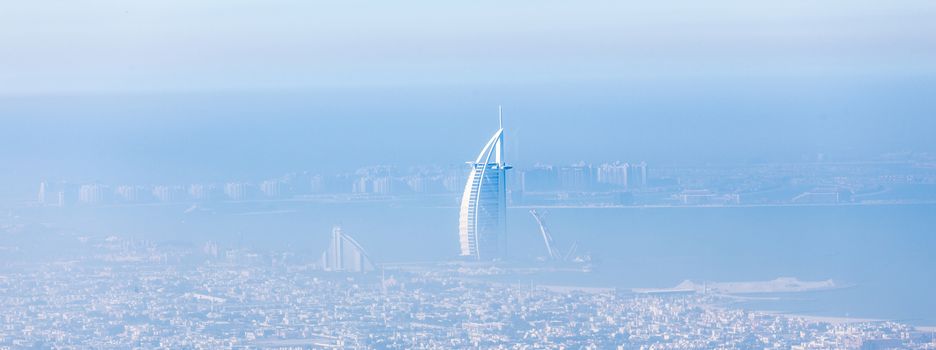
188,90
157,46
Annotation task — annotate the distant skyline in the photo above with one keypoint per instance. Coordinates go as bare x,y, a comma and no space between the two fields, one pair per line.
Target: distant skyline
177,91
209,136
722,173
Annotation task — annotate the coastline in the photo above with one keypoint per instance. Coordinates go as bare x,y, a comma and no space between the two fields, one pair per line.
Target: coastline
839,320
821,319
835,320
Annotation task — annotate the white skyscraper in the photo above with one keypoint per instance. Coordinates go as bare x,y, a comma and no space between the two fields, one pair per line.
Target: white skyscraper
482,219
613,174
345,254
42,193
91,194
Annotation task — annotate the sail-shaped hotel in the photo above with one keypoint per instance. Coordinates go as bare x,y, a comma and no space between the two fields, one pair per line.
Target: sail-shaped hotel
482,221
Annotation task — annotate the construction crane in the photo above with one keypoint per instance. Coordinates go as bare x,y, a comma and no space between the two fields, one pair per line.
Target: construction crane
547,238
570,252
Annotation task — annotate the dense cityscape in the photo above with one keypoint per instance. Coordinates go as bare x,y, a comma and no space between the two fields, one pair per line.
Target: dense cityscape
119,292
127,294
289,174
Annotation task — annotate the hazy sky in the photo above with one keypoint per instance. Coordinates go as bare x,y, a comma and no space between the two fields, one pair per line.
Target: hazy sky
180,45
184,90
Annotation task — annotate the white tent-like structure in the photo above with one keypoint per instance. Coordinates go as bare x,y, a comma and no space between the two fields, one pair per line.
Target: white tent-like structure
482,218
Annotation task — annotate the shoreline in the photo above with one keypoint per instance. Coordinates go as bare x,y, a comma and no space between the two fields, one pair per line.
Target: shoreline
821,319
566,289
835,320
839,320
350,199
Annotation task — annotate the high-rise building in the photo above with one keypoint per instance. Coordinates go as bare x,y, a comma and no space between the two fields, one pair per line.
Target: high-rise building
42,193
417,183
640,172
236,191
613,174
128,193
198,192
541,178
372,185
163,193
576,177
272,188
60,199
317,184
361,185
452,181
373,180
91,194
211,249
482,219
381,185
345,254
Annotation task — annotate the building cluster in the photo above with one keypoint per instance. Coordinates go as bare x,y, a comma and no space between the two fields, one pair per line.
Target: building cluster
366,181
345,254
132,295
603,184
583,177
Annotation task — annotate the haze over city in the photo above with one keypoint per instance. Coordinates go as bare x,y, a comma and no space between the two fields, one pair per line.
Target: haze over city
599,174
